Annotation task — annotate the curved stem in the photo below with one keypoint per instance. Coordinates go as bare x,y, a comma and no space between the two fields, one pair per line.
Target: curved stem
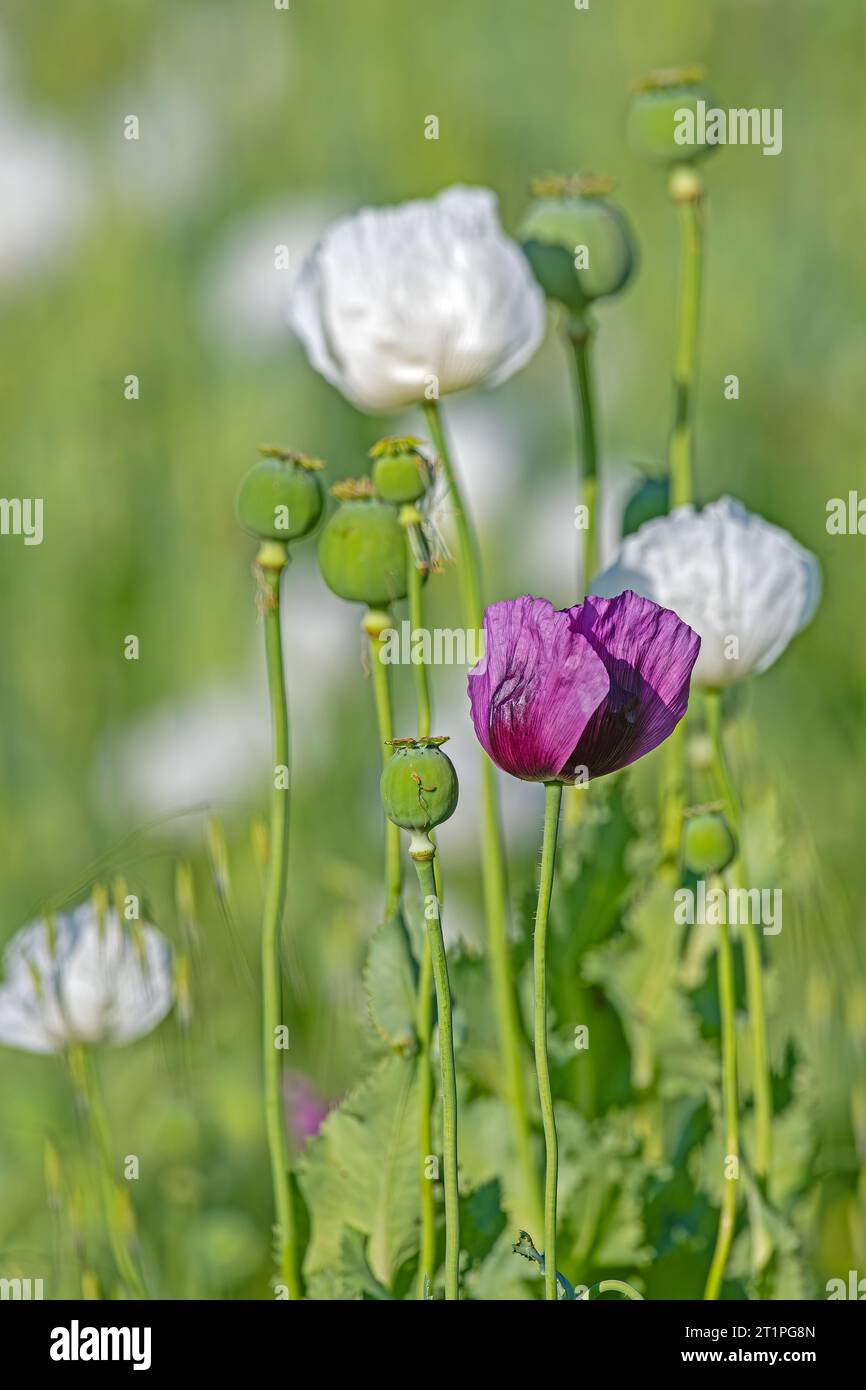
553,798
580,336
618,1286
493,857
691,218
275,897
384,716
761,1082
728,1210
427,881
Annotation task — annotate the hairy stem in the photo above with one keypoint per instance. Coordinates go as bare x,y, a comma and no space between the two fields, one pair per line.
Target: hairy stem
761,1081
384,716
416,623
553,798
728,1210
427,881
691,218
424,1026
272,922
580,336
424,1018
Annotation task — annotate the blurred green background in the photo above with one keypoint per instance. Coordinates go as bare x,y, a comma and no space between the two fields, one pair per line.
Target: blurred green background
156,258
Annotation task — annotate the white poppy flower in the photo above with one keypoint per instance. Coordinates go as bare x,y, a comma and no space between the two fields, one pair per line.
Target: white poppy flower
744,585
397,302
76,984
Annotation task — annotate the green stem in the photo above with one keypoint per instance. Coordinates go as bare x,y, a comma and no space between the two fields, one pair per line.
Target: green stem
384,716
761,1081
690,208
580,334
673,799
493,857
90,1099
424,1026
553,798
424,1019
269,575
728,1210
416,623
427,880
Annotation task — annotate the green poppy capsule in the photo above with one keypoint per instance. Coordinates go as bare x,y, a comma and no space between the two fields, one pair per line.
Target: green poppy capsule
708,844
400,471
579,245
281,497
362,549
665,122
419,785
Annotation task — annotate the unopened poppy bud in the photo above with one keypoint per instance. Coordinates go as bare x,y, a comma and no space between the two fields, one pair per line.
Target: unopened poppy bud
281,497
579,245
362,550
657,115
708,844
419,789
400,472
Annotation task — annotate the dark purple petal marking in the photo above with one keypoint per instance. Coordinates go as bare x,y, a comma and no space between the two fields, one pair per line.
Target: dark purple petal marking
537,688
649,654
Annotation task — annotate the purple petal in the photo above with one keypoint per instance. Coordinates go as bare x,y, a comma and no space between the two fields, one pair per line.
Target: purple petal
536,688
649,653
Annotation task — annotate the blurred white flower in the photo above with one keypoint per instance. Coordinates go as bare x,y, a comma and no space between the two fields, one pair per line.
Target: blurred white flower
394,300
194,755
167,168
745,586
44,193
247,278
70,982
210,750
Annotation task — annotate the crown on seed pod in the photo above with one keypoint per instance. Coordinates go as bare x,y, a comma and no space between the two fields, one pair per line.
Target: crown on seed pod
419,784
579,244
658,110
401,473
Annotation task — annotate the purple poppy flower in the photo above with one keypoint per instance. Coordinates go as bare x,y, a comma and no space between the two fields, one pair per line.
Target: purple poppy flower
595,686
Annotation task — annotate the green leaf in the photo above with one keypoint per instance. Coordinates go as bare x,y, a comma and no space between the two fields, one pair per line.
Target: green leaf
390,979
482,1221
362,1171
640,973
355,1267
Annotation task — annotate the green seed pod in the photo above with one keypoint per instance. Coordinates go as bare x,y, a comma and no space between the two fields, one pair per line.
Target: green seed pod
657,116
708,844
579,245
400,472
362,550
649,500
419,785
281,497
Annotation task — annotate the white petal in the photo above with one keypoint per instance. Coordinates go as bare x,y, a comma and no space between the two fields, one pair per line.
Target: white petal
395,297
93,986
21,1024
727,573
